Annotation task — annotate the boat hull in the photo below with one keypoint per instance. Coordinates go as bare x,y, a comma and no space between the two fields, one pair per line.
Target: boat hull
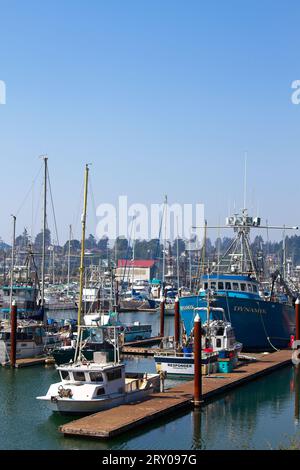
183,366
24,350
133,305
260,325
71,406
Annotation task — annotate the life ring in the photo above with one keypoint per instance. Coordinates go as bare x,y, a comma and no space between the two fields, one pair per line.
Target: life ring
296,357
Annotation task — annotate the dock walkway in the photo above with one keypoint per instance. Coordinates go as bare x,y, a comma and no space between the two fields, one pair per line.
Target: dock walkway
27,362
115,421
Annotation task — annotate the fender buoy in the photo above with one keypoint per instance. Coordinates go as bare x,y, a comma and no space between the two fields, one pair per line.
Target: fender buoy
296,357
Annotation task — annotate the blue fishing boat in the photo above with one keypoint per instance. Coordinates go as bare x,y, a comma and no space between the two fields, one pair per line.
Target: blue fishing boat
262,320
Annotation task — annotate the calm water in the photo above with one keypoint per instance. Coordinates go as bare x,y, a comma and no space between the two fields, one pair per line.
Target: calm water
260,415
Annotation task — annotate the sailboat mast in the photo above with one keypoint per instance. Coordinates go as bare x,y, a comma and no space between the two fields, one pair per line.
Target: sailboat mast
245,180
69,258
44,230
284,255
83,223
177,255
164,246
12,262
190,264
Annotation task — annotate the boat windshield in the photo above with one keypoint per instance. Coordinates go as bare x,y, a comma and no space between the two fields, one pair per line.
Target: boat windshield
96,376
64,374
231,286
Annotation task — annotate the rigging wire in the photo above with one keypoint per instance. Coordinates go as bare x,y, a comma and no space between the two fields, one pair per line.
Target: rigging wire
37,210
77,218
52,205
29,192
93,200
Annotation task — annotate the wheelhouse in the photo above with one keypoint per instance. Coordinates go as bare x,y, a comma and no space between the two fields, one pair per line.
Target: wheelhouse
88,375
230,285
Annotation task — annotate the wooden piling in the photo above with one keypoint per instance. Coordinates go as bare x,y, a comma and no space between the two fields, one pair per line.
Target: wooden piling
13,334
162,317
197,361
297,315
176,323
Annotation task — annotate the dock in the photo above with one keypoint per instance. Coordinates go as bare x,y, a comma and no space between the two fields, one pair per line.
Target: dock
135,351
144,342
27,362
142,347
113,422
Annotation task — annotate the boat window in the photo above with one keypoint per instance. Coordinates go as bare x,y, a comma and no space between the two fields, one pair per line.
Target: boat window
235,286
79,376
100,391
254,288
114,374
213,285
243,286
228,285
96,377
250,287
221,285
65,375
206,285
219,344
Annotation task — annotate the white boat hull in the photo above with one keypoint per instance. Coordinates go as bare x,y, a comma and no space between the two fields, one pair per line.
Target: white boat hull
71,406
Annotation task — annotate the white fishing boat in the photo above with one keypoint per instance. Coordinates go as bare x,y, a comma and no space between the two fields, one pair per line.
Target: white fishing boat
132,332
220,351
32,340
90,387
182,363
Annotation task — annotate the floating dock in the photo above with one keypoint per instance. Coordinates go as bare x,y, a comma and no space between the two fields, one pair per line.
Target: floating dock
142,346
135,351
144,342
113,422
28,362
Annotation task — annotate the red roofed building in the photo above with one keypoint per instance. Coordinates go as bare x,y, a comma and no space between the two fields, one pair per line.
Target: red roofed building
139,269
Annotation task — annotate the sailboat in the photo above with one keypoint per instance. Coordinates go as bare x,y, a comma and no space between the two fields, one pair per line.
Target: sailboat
32,338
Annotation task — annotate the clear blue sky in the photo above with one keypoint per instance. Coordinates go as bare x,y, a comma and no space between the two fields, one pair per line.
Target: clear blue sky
161,96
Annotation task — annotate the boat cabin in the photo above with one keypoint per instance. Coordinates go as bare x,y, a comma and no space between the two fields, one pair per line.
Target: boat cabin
25,333
221,335
105,380
231,285
111,379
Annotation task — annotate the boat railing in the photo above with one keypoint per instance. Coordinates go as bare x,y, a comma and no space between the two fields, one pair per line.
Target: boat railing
183,354
133,385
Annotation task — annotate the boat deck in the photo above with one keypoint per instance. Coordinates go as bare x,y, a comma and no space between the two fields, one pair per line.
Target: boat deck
118,420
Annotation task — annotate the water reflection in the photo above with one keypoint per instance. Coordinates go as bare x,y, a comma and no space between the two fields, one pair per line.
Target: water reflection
296,385
196,417
237,418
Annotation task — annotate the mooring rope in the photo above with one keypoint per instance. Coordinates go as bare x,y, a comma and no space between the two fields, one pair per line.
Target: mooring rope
267,336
